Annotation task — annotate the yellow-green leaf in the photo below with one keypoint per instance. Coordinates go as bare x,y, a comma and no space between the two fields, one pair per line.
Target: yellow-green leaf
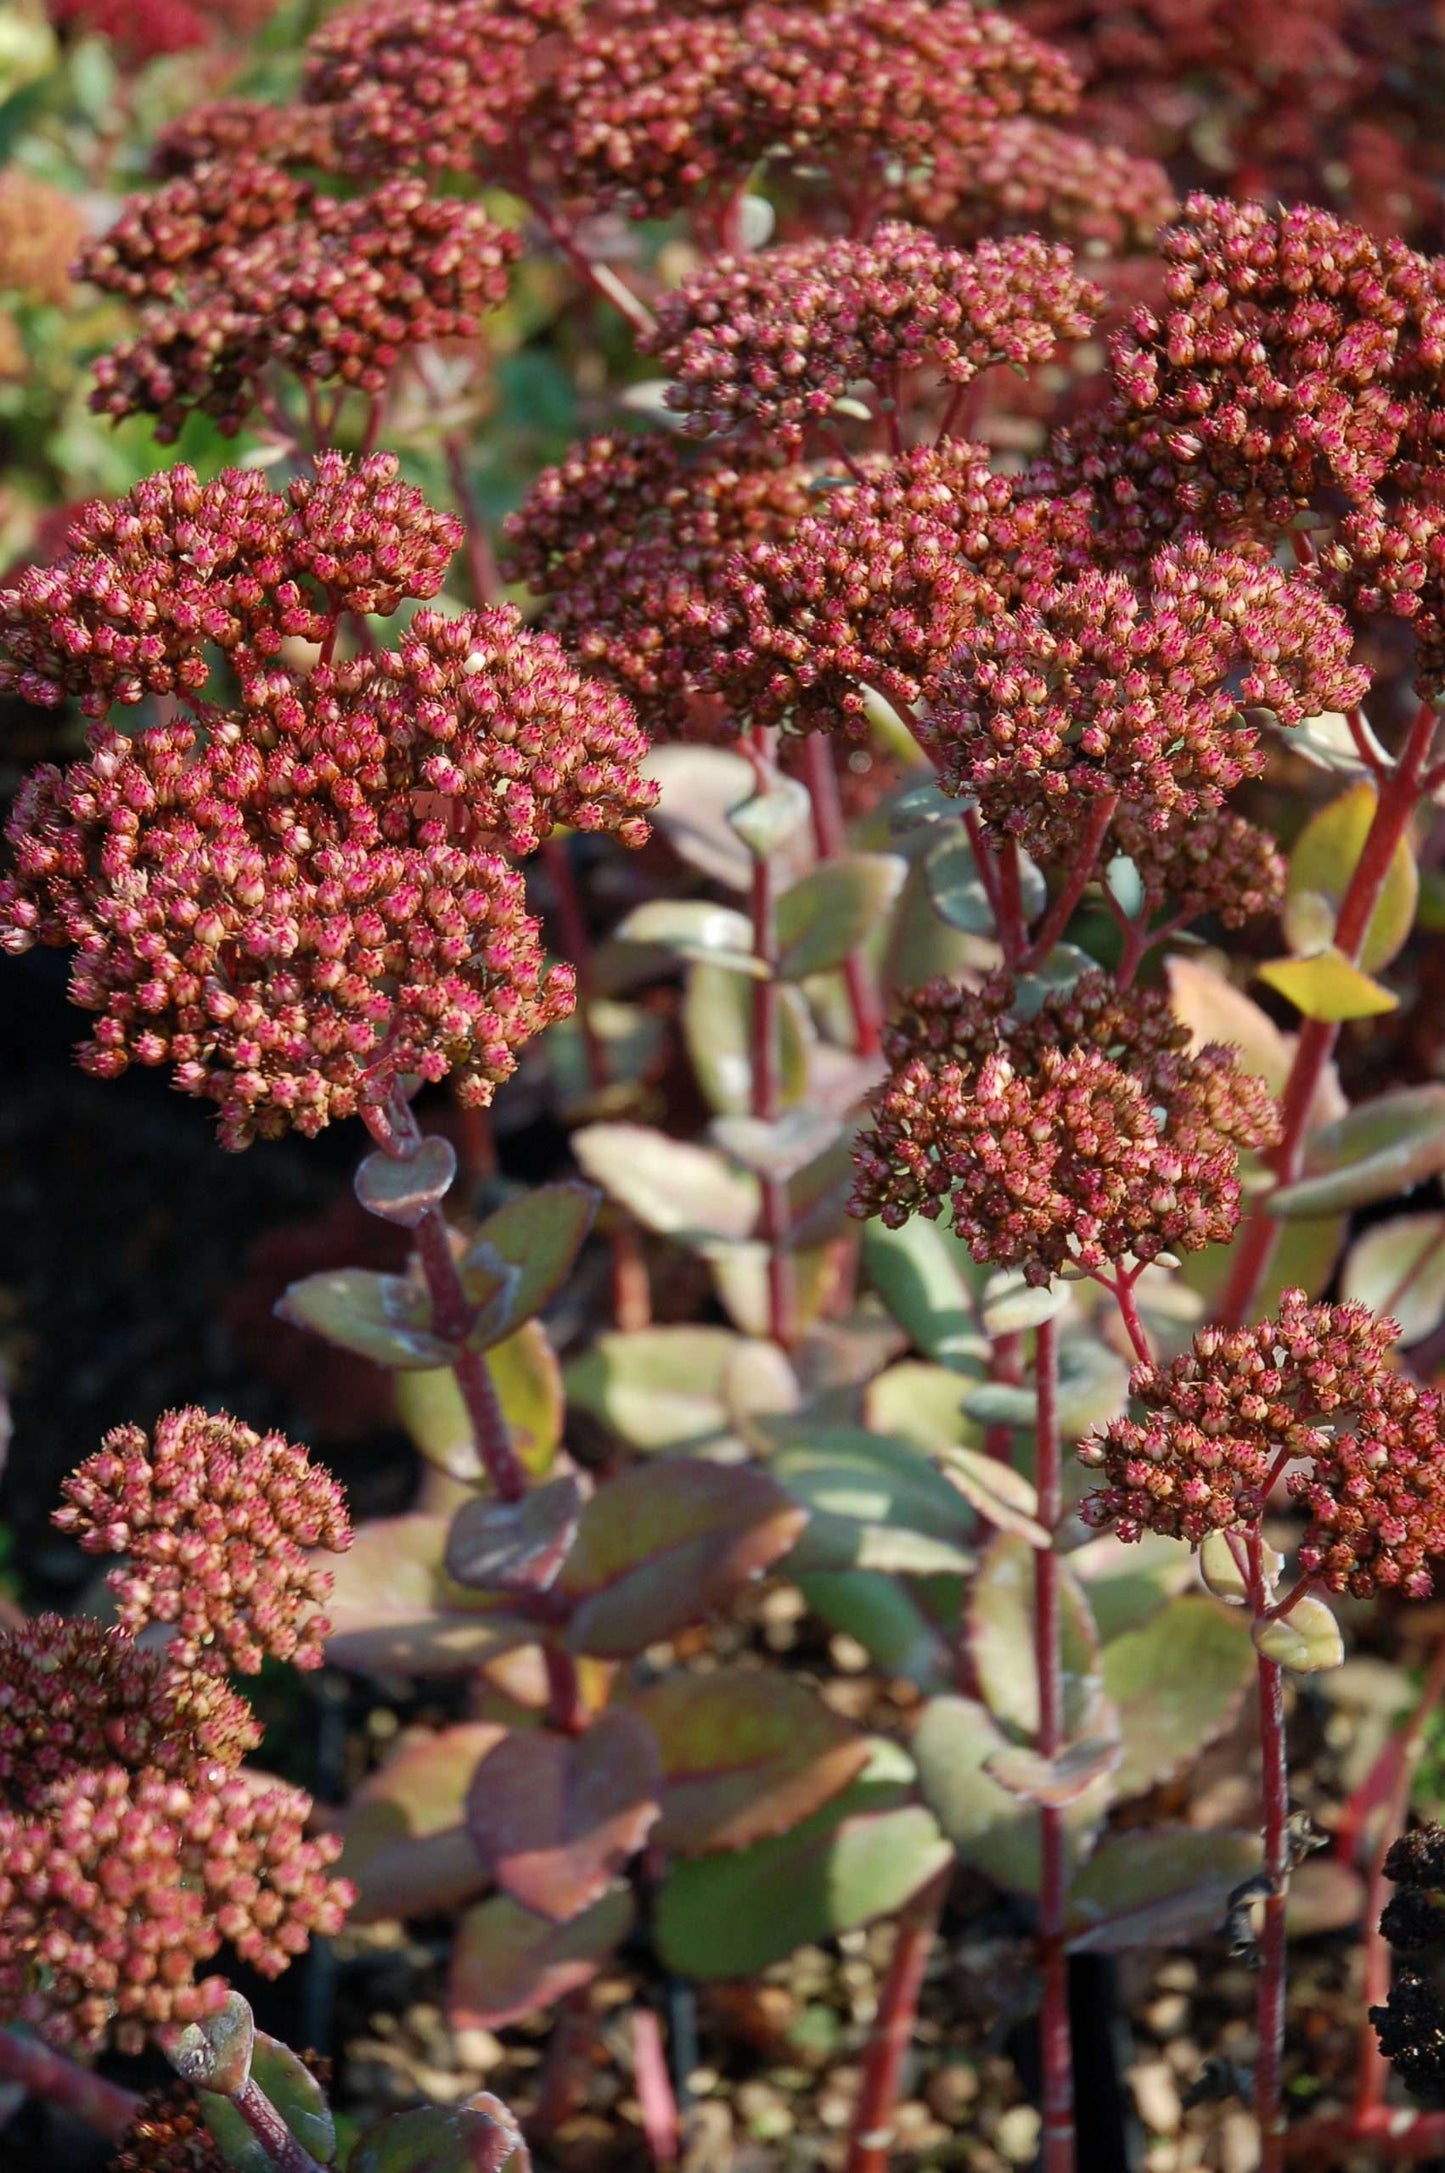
1328,987
1324,858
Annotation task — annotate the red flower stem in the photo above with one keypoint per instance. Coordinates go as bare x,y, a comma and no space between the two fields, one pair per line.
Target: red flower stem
1373,2069
983,859
271,2132
831,841
1128,1305
631,1292
765,1083
102,2105
1006,1363
871,2136
1399,796
396,1133
1061,912
481,559
562,2087
1055,2047
599,277
1010,926
1272,1984
660,2122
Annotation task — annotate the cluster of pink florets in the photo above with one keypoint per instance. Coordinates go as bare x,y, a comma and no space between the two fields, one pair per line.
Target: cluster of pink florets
1312,1388
644,109
131,1845
1138,687
298,897
218,1524
1075,1139
243,266
771,342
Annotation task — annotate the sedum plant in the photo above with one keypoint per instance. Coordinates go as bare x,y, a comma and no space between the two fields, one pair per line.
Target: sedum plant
940,607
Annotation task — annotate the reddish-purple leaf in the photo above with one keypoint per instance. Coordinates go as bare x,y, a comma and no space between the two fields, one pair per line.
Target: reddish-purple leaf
1055,1782
666,1544
554,1818
744,1755
506,1962
514,1546
402,1190
407,1848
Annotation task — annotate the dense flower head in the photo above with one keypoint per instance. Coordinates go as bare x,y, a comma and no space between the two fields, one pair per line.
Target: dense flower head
1295,356
628,542
333,291
289,955
430,84
169,2134
1212,862
217,1523
644,109
1074,1139
227,130
1137,685
156,582
1029,174
879,586
120,1885
75,1694
1312,1387
500,718
40,230
296,898
163,238
770,342
1392,564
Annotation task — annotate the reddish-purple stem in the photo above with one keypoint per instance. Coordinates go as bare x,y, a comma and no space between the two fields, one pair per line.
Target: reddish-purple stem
871,2137
660,2122
1272,1983
831,841
1061,911
102,2105
395,1131
1399,796
599,277
286,2153
1055,2048
1373,2068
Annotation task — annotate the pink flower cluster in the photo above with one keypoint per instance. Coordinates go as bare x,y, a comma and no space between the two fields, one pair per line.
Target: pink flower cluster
157,582
131,1846
217,1523
296,900
1136,685
644,109
1079,1138
628,541
1296,356
244,266
771,342
1222,1423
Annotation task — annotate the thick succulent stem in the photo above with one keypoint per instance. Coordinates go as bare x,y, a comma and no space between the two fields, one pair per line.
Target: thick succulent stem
394,1128
271,2132
870,2142
1399,796
766,1090
1407,1747
1056,2052
1076,882
831,841
102,2105
1273,1973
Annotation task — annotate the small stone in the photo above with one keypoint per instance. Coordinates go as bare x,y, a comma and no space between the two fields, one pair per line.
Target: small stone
1017,2134
1157,2096
951,2090
1166,2017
